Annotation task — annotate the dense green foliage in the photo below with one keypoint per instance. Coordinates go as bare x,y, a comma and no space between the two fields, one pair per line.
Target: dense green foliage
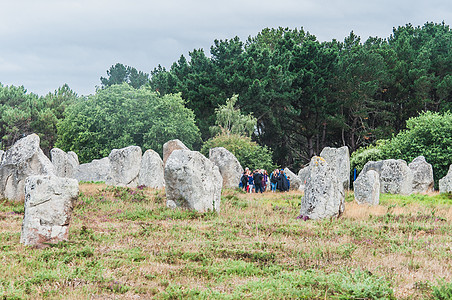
308,94
230,120
430,135
22,113
304,94
120,116
119,74
247,152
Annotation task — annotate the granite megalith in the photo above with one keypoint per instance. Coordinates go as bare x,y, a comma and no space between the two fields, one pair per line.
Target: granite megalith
445,183
367,188
125,166
423,181
49,201
23,159
97,170
170,146
192,181
395,175
65,163
295,181
229,166
151,170
324,194
339,161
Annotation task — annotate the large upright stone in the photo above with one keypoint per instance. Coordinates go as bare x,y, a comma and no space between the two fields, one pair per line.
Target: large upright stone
125,166
445,183
151,170
339,161
97,170
65,163
423,181
192,181
295,182
303,175
395,176
229,166
324,194
49,201
170,146
23,159
367,188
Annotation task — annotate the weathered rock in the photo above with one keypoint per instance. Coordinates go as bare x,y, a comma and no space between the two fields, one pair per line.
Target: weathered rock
151,171
1,155
97,170
295,182
303,175
65,163
445,183
192,181
170,146
367,188
339,161
229,166
125,166
423,181
49,202
395,176
23,159
324,194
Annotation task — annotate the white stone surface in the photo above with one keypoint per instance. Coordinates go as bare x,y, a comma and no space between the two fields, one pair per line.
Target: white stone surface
339,161
125,166
229,166
367,188
23,159
151,170
423,181
49,203
170,146
324,194
65,163
97,170
192,181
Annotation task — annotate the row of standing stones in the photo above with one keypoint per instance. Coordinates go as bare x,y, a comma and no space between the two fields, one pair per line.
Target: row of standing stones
49,189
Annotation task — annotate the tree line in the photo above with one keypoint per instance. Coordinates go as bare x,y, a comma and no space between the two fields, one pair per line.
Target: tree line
303,94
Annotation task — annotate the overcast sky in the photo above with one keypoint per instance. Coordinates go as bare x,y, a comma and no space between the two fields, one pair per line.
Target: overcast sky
47,43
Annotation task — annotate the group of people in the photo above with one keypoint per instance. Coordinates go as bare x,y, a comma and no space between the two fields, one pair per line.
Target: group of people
259,181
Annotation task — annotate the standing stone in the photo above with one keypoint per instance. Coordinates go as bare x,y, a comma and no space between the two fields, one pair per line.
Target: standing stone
23,159
229,166
339,161
445,183
367,188
125,166
324,194
423,181
151,170
1,155
65,163
97,170
192,181
49,201
303,175
170,146
395,176
295,182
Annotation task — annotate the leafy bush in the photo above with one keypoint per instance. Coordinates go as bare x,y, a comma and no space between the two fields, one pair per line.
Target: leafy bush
248,153
430,135
120,116
361,156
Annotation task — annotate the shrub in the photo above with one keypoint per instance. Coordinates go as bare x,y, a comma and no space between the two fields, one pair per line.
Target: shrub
248,153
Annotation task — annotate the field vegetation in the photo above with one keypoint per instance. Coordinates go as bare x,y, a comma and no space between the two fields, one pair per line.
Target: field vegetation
125,244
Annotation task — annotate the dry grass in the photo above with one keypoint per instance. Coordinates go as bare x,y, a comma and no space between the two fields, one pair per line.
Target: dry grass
127,244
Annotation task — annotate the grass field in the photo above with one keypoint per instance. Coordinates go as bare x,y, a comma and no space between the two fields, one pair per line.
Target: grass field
125,244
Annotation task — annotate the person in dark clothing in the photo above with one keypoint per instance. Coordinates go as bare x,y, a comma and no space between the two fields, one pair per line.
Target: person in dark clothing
258,181
244,180
283,185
